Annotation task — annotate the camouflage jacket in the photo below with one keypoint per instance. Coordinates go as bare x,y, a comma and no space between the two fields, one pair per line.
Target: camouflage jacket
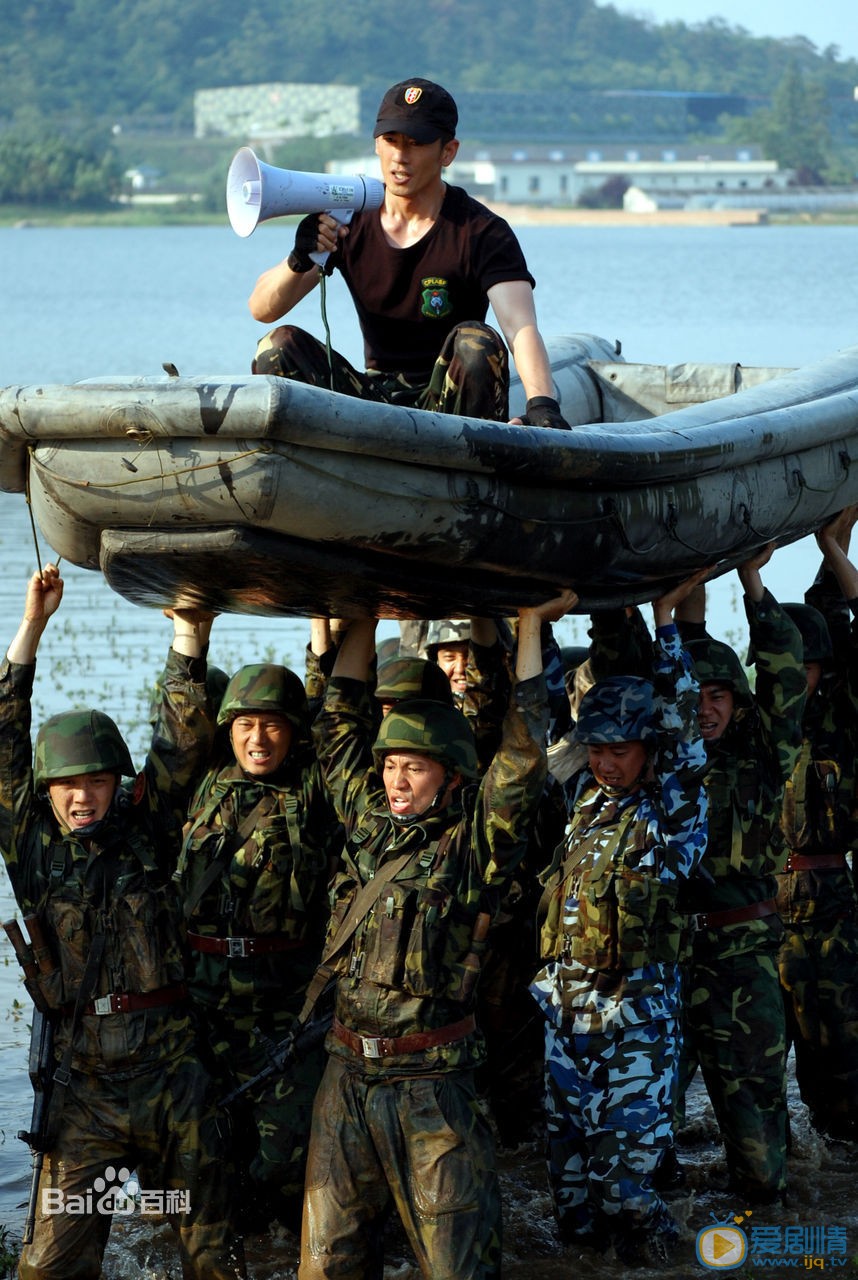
818,817
272,883
613,928
411,964
116,884
747,769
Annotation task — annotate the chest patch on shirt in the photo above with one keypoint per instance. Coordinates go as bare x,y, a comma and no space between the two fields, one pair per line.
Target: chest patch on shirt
436,300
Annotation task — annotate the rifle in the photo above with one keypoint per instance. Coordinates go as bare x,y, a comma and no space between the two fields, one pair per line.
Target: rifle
302,1038
33,958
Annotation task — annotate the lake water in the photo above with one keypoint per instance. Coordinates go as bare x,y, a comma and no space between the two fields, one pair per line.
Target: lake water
83,303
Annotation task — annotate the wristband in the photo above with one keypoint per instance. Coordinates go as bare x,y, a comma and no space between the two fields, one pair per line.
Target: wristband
299,262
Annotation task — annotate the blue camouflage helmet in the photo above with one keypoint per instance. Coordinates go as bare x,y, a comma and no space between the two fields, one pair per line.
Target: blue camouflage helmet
77,742
431,729
264,687
616,709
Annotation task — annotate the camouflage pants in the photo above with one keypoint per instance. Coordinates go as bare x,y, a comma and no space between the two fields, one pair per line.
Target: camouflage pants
733,1029
271,1124
161,1124
609,1109
470,377
818,975
420,1144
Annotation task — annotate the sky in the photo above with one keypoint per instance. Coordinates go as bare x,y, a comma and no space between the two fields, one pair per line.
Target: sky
824,22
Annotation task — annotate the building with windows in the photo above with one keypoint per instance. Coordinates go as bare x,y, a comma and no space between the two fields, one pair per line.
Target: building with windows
561,176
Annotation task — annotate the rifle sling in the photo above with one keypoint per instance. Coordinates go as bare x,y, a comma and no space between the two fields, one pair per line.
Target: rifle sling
217,866
362,903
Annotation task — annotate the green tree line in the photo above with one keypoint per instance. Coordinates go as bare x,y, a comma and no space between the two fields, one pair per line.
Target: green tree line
71,69
125,58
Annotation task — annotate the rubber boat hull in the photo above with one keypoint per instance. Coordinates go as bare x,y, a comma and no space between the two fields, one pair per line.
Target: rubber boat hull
259,495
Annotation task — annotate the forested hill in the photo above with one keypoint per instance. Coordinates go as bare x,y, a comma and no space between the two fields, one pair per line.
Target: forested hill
99,59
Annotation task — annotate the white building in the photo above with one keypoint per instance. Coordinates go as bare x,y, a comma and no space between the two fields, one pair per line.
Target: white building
562,175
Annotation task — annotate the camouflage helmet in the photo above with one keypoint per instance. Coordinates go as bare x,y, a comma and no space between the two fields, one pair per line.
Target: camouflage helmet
400,678
815,636
76,742
616,709
264,687
216,682
716,663
446,631
430,729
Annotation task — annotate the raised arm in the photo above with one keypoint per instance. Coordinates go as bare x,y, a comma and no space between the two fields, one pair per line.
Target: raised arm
44,594
833,541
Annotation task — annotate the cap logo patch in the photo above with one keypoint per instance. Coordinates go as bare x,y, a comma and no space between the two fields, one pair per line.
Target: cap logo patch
413,94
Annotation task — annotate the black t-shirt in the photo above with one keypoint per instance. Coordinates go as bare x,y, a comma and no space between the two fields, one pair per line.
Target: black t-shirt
408,300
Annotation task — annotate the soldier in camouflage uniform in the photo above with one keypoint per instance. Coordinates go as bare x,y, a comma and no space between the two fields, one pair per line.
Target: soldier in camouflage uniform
397,1121
733,1025
91,857
816,892
260,848
610,990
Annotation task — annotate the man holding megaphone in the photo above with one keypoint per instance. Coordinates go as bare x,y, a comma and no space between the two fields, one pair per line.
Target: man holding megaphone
423,269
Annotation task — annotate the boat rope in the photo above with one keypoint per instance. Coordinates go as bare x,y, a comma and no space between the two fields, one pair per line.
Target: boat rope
147,479
32,517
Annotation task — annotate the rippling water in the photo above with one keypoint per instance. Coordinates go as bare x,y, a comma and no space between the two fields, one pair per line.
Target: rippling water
87,303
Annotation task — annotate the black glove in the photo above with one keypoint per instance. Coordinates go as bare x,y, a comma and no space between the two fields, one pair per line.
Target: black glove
542,411
306,242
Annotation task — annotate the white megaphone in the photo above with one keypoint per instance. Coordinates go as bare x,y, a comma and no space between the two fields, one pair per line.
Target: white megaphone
256,191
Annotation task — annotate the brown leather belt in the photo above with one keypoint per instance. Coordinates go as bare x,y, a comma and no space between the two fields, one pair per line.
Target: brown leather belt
821,862
391,1046
239,948
733,915
132,1001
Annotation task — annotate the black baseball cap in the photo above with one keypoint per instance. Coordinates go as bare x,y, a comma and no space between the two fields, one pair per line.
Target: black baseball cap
418,108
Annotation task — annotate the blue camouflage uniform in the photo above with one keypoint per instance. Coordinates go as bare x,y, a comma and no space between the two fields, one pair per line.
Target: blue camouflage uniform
610,990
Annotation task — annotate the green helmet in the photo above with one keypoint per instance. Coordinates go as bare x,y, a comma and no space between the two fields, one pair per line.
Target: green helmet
815,636
716,663
447,631
216,682
262,687
400,678
616,709
75,742
430,729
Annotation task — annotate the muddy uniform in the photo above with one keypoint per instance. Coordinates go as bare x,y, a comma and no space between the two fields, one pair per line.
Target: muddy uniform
254,877
137,1096
733,1024
511,1076
816,896
397,1120
610,990
421,310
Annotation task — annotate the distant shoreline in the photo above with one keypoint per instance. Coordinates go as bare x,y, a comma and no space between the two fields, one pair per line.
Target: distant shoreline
520,215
